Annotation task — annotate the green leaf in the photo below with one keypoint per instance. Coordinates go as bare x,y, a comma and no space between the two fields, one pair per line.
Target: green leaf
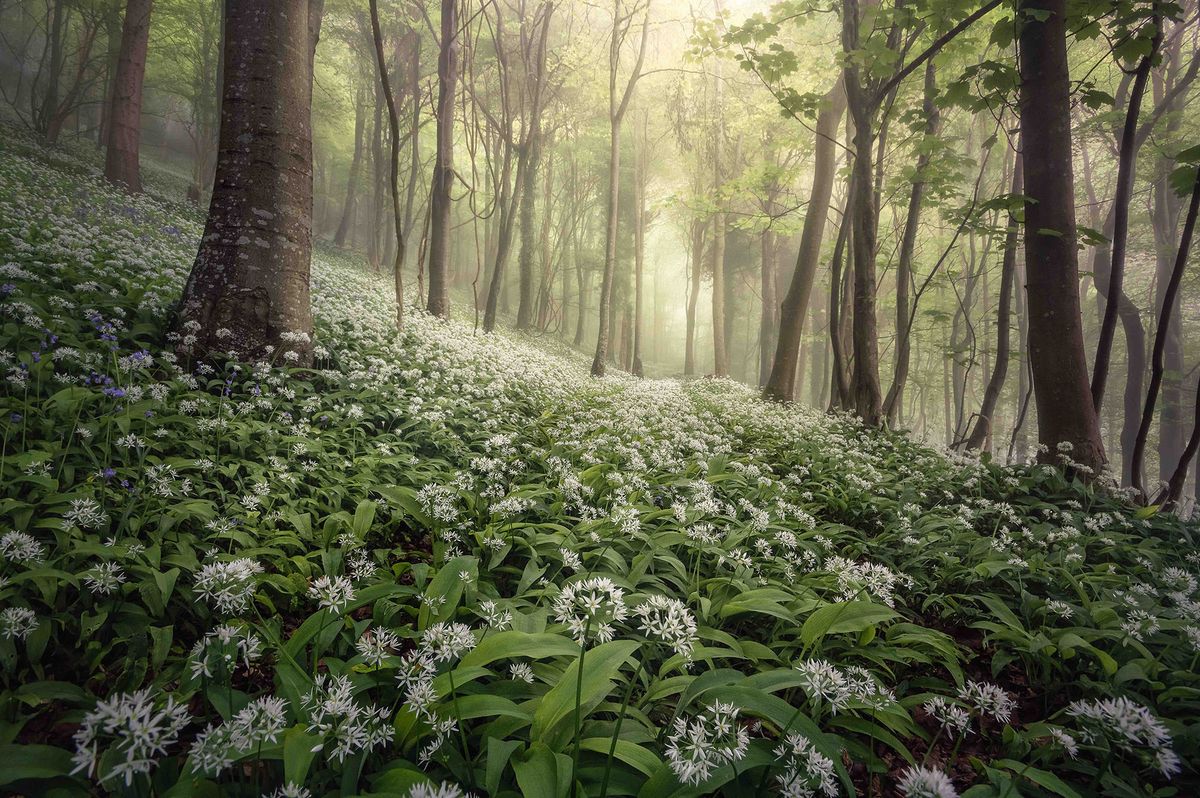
364,516
298,754
600,667
632,754
1042,778
537,772
849,616
512,644
22,762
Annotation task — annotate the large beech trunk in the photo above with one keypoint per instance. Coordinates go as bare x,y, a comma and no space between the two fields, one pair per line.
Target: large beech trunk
248,291
1066,414
125,116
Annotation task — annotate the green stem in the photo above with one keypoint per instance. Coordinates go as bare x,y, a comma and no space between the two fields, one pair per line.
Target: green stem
462,732
612,747
578,696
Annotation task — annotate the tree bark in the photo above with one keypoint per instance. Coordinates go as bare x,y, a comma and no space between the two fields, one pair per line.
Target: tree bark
1126,170
248,290
394,177
443,165
696,254
720,356
351,203
782,381
531,153
1157,363
991,395
125,118
1066,414
893,404
616,113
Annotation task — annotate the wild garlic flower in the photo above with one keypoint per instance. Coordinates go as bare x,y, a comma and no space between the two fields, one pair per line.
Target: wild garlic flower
344,726
570,559
670,621
590,607
1060,608
85,513
103,578
228,585
952,717
707,741
1066,742
820,679
332,594
376,645
521,672
494,617
806,771
988,700
131,726
219,651
18,622
1130,727
289,790
21,548
259,723
446,642
923,782
416,666
443,790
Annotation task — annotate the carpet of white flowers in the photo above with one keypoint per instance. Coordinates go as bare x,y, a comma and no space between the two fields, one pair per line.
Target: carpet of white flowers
444,563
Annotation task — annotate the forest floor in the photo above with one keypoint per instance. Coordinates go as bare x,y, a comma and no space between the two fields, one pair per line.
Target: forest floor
442,556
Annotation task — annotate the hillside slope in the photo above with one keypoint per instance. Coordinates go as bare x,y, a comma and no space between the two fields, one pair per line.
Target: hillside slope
448,557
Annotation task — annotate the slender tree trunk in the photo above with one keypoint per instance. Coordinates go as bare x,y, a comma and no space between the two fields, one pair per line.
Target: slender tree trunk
865,390
768,321
124,139
394,177
720,357
991,395
348,207
616,113
781,382
1126,169
1066,414
443,165
249,287
904,273
639,251
697,257
1157,363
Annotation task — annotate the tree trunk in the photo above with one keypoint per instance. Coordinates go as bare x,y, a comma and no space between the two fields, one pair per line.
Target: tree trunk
781,382
125,133
904,275
1126,169
443,165
249,287
1066,414
394,176
720,356
991,395
866,394
768,321
639,251
696,254
1157,363
351,202
616,113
